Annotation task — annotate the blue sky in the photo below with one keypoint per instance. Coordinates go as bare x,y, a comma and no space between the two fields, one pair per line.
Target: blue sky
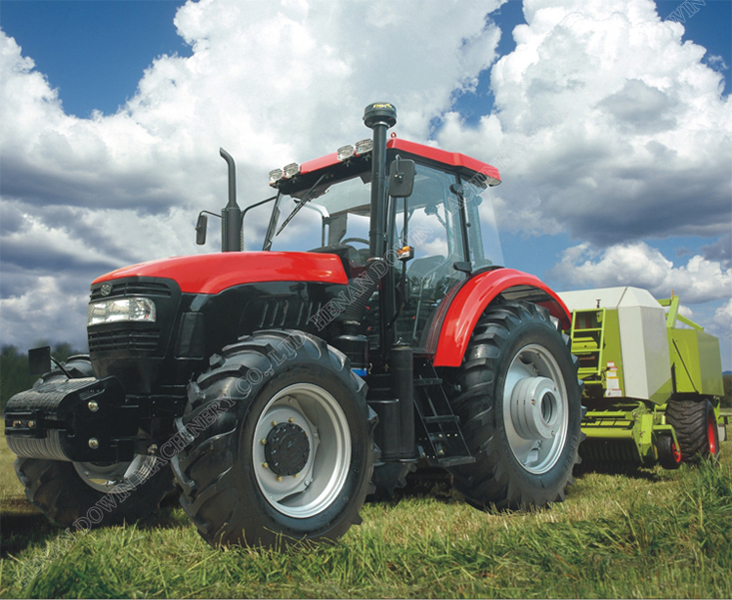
130,103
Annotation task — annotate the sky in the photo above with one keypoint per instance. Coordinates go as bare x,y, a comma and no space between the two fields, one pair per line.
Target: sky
609,120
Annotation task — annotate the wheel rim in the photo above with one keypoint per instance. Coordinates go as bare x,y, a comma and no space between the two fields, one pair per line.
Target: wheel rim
712,434
109,478
302,450
675,452
535,409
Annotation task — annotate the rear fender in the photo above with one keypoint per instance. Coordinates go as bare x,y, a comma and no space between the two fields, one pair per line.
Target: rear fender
452,334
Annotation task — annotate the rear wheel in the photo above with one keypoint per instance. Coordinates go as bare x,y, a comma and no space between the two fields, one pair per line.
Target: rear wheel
93,494
519,402
289,452
696,428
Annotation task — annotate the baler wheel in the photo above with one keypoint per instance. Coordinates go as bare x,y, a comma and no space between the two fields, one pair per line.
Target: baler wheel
669,453
288,451
696,428
519,401
90,495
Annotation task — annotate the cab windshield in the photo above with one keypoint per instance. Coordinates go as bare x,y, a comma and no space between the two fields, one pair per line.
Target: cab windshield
332,216
335,217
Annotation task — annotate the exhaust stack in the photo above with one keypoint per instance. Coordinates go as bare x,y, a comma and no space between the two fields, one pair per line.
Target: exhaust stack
232,236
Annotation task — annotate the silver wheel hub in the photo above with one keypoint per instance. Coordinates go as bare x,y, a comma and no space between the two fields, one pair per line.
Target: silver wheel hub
535,409
302,450
108,479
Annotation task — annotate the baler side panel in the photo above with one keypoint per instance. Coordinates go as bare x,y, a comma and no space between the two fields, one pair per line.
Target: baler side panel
696,360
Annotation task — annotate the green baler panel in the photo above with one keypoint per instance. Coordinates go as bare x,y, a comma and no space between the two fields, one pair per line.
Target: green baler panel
697,362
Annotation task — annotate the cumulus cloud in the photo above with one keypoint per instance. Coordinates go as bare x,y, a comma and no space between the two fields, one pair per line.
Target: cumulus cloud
606,126
638,264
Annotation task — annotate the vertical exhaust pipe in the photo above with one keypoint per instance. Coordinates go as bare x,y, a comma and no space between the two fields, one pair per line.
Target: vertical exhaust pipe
232,235
379,116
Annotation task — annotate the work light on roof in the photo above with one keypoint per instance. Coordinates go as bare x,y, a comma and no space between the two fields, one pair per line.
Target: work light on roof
291,170
364,147
275,176
345,152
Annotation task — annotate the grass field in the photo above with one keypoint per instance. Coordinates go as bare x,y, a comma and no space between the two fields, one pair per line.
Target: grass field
647,533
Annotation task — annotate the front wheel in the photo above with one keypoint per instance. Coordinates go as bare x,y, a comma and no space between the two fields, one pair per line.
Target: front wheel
89,494
519,401
289,451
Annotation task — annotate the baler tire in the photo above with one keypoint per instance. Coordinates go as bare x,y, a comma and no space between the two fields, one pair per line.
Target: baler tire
696,428
669,454
513,346
233,489
66,492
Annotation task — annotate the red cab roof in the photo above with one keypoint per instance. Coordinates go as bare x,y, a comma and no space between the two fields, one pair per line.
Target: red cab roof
452,159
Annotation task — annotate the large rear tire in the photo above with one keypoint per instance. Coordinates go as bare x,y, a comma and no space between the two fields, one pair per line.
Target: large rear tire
289,453
92,494
519,400
696,428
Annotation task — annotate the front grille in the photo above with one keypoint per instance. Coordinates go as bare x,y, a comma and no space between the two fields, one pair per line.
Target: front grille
124,339
133,288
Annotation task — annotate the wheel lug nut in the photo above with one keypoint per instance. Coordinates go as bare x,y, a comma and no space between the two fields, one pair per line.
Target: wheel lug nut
265,465
291,420
263,442
274,423
279,477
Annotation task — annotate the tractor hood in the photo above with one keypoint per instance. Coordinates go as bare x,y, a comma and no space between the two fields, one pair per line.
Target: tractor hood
212,273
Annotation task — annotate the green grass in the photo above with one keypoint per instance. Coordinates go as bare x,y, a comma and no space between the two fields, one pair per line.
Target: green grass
644,534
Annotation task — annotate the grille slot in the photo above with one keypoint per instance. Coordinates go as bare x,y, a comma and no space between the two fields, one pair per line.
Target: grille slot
124,339
134,288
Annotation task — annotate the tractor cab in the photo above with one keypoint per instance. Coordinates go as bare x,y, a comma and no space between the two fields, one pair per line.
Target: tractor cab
436,237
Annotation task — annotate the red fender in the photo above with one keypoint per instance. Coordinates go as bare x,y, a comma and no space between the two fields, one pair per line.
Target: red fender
475,295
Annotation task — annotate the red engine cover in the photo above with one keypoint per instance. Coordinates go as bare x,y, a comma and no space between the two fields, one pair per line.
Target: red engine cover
212,273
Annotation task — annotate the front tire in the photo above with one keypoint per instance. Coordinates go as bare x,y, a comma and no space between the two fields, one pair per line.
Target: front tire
92,494
289,454
519,401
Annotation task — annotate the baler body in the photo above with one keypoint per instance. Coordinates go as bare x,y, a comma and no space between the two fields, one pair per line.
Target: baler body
634,358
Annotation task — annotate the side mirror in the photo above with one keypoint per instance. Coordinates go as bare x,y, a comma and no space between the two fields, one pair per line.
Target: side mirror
39,360
401,178
201,227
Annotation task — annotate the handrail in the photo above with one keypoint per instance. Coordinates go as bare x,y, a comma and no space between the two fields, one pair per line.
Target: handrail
673,314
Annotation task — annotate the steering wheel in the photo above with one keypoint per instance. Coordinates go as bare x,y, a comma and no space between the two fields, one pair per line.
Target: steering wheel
355,239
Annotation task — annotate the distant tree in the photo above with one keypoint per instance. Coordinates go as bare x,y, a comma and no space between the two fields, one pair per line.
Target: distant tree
14,376
727,399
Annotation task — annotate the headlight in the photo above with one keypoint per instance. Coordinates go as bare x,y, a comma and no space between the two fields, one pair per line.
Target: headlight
122,309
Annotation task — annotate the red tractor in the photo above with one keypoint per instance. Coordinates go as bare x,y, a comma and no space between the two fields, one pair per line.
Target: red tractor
280,388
